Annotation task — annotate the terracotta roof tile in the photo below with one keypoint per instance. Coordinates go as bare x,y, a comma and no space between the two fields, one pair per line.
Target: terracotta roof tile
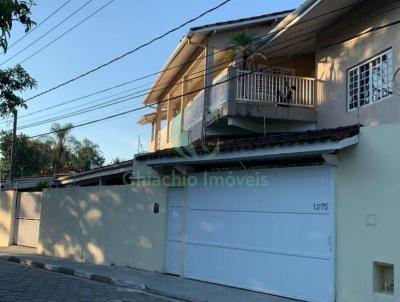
261,142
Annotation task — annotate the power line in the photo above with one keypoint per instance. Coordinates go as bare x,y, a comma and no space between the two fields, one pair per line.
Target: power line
202,71
92,108
176,66
168,99
135,96
370,30
41,23
49,31
84,104
304,21
112,102
67,32
131,51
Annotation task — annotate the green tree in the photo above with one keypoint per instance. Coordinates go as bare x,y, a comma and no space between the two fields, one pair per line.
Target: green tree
13,80
116,161
56,154
245,47
86,154
61,142
33,157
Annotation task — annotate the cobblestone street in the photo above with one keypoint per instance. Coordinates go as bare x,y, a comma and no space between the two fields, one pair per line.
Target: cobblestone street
19,283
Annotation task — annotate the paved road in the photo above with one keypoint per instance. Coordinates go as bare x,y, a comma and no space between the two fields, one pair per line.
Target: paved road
20,283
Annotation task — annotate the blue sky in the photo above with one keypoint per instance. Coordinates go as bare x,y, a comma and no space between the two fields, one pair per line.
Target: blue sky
121,26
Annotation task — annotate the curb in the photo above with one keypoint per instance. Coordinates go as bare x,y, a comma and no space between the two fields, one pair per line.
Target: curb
76,273
172,296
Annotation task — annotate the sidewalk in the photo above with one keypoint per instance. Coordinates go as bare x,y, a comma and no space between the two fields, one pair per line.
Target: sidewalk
162,284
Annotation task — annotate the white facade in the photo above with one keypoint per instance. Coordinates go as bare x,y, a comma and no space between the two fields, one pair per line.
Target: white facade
276,236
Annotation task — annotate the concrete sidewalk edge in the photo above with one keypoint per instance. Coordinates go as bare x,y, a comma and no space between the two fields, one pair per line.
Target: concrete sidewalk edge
96,277
76,273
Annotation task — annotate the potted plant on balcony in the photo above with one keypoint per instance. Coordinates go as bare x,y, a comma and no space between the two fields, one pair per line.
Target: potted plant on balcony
244,47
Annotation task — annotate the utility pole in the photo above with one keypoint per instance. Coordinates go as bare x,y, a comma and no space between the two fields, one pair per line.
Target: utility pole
1,179
14,141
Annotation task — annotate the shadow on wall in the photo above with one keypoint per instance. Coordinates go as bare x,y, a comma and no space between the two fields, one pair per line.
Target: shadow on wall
7,215
105,225
334,61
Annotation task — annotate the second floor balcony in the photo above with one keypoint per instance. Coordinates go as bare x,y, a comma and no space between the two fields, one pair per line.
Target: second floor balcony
241,101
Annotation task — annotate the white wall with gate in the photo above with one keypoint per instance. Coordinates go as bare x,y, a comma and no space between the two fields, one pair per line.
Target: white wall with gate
276,238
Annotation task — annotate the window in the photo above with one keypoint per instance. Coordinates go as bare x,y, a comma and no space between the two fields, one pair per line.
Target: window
371,81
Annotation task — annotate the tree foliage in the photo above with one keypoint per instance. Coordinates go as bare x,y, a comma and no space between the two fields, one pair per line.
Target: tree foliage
56,154
87,155
117,160
33,157
13,80
245,46
61,142
14,11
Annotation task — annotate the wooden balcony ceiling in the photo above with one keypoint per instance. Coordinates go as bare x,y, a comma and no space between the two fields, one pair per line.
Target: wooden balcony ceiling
151,118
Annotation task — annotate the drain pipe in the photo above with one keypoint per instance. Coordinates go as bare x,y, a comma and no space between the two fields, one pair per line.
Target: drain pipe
207,73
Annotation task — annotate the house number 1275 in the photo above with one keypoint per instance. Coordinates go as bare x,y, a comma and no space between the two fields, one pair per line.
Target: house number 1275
320,206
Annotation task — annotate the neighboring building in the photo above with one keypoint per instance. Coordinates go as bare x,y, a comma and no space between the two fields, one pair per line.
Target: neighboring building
34,183
116,174
281,178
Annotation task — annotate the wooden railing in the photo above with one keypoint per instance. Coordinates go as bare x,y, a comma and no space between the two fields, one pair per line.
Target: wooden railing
276,89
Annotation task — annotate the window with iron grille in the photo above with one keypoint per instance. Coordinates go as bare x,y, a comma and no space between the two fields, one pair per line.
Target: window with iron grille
370,81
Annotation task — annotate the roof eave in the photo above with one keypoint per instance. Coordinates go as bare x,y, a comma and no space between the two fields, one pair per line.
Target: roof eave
278,152
205,31
176,52
293,18
99,172
232,26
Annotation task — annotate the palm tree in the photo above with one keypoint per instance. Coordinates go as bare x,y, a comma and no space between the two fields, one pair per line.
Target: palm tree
245,46
61,142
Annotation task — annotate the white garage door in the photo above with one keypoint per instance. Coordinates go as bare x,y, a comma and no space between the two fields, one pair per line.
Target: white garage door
26,231
276,238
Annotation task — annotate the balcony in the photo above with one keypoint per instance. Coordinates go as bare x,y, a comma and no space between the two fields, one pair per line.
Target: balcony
241,101
263,90
275,89
182,126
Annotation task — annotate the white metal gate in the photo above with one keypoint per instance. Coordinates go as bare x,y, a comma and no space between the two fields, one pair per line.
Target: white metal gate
27,219
173,262
277,238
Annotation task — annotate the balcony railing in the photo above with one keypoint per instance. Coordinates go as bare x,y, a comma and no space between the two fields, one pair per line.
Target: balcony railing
162,138
275,89
260,87
219,92
193,113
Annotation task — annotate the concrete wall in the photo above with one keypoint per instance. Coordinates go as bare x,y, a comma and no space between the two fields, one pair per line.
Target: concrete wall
7,217
332,64
113,224
368,219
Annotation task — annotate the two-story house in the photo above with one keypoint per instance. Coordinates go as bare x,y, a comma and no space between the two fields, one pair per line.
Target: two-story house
290,155
250,103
